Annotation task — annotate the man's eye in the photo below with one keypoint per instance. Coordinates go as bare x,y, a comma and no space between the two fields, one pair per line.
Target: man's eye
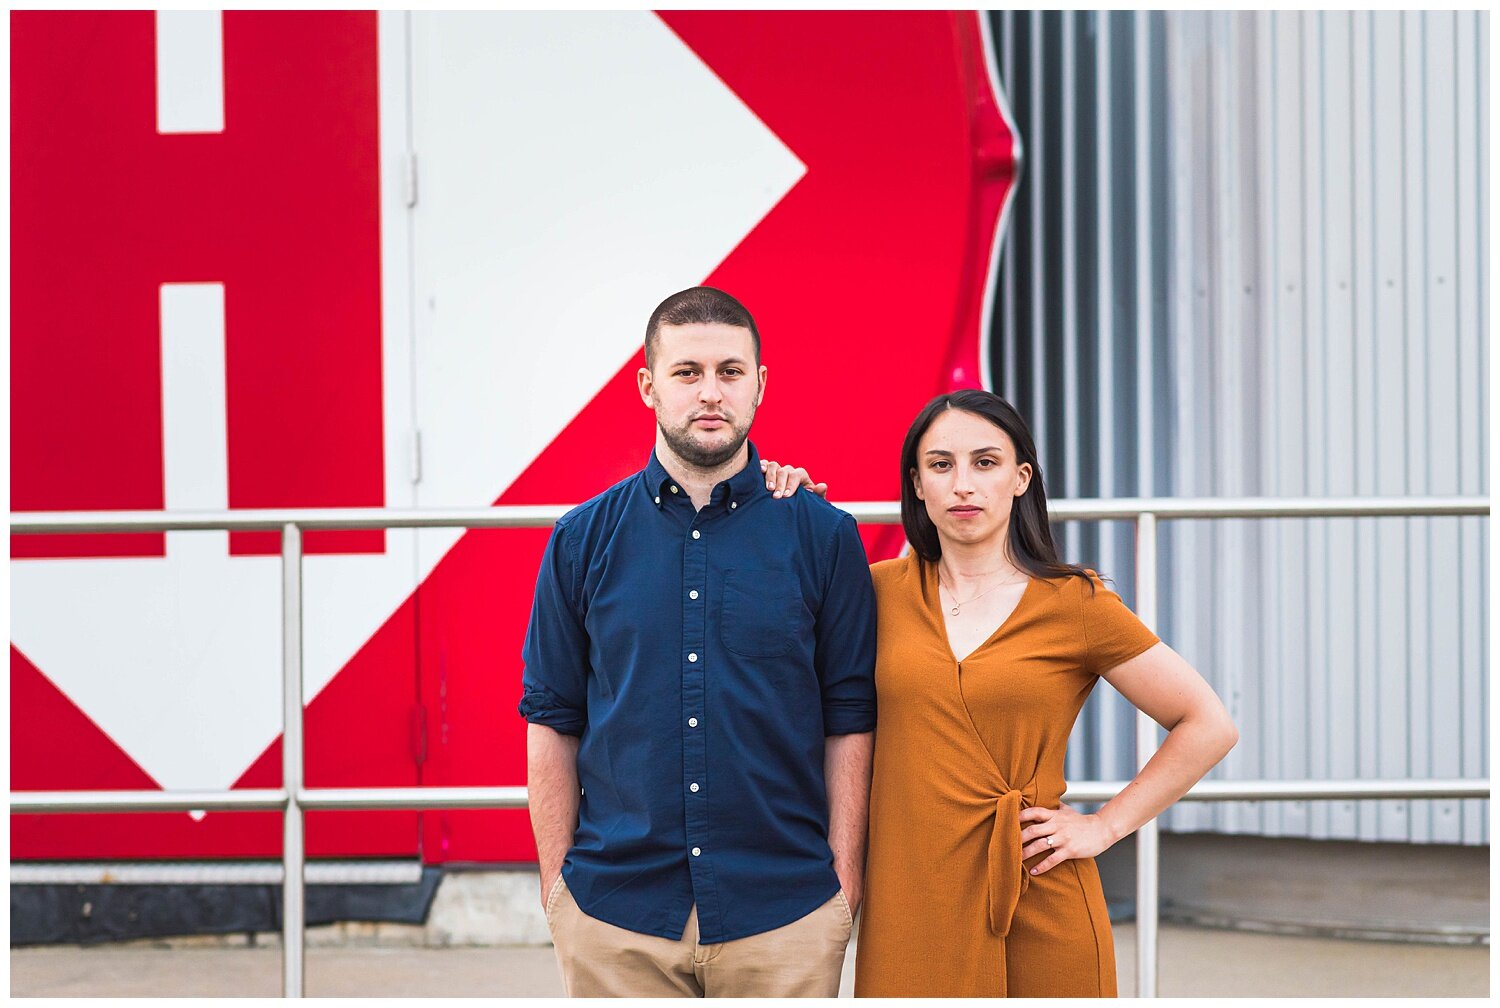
684,374
731,372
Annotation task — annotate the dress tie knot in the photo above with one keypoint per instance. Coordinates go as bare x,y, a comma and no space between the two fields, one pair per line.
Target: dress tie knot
1008,876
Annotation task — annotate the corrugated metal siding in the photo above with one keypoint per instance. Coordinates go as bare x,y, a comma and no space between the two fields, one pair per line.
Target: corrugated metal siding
1248,258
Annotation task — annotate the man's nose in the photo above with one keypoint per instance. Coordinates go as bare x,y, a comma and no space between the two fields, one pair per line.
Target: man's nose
709,390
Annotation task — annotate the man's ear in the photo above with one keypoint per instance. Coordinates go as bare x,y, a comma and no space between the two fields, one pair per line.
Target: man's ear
761,395
647,387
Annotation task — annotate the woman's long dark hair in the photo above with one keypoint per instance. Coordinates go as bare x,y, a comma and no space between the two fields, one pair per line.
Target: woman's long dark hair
1030,535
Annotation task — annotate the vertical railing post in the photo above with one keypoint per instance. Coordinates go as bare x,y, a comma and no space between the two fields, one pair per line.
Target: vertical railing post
293,896
1148,837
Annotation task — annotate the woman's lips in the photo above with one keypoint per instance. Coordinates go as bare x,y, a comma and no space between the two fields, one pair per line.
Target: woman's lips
964,511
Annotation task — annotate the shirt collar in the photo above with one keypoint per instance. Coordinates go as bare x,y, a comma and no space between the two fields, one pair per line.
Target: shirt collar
731,492
744,484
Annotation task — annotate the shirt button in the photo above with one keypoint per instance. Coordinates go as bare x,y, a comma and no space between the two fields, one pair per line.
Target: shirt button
693,594
697,851
697,534
657,499
733,505
692,656
693,787
674,490
692,722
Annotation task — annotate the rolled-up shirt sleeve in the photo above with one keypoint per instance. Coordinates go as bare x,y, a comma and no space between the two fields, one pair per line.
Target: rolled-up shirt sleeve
555,681
845,655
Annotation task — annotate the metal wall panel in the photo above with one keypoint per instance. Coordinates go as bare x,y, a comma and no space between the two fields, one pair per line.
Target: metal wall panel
1249,259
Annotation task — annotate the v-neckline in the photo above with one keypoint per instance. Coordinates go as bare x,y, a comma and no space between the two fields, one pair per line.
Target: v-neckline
935,608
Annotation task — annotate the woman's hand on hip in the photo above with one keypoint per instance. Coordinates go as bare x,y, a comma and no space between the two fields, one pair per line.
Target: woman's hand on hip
1064,831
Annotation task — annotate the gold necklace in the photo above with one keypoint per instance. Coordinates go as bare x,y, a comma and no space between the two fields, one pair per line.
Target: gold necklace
957,605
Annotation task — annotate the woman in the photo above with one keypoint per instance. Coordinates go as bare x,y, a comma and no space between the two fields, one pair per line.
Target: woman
979,881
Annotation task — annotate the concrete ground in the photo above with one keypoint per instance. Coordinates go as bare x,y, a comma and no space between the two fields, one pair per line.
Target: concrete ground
1194,961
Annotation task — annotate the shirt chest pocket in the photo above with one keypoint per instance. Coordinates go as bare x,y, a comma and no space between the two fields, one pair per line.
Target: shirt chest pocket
763,614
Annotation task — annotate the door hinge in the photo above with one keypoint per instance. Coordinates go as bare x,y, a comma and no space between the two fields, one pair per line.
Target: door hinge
418,734
411,178
414,460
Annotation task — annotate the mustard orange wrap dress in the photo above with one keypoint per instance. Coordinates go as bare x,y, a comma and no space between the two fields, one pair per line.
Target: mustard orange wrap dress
960,750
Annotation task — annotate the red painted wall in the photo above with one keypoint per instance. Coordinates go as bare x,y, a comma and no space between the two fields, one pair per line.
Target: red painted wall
868,282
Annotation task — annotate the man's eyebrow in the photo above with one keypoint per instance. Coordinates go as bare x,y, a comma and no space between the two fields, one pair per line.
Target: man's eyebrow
728,361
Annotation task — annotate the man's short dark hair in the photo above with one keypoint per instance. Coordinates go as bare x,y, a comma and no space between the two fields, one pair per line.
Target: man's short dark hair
699,306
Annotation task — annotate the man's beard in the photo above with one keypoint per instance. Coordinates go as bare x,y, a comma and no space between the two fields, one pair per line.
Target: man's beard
701,456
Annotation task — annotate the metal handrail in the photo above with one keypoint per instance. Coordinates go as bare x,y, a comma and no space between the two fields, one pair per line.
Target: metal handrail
872,512
246,800
293,799
512,797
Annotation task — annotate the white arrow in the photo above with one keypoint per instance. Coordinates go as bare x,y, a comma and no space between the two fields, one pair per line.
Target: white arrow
178,658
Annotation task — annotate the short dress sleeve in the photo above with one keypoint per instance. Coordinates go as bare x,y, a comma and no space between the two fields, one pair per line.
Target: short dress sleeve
1113,633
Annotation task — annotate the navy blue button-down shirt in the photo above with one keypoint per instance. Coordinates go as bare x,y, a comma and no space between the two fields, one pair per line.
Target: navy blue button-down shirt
702,657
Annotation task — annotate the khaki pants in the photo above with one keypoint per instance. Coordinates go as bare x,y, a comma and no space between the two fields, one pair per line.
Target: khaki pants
802,959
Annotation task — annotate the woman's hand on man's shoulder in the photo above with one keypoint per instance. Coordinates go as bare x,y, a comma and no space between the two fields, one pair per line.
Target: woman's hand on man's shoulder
783,481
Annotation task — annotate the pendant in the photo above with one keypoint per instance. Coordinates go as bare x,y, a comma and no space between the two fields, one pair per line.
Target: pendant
954,610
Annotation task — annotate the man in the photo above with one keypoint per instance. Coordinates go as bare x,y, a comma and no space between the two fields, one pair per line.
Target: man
699,686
